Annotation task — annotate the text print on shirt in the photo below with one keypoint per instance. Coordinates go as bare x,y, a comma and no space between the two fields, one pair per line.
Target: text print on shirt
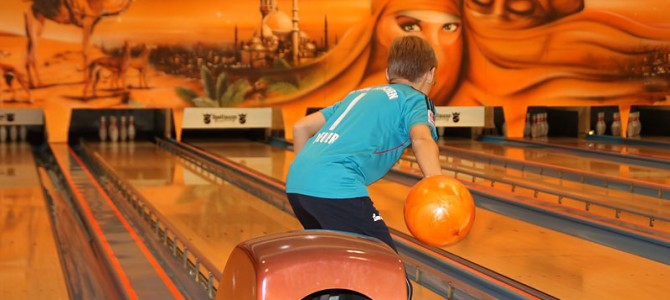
329,137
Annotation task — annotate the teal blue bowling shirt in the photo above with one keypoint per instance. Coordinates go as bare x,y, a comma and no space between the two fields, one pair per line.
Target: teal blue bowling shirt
363,137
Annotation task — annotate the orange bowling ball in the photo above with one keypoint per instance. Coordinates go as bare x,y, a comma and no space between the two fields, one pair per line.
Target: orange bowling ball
439,211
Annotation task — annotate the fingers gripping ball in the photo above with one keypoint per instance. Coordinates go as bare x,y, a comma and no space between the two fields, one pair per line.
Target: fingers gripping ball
439,211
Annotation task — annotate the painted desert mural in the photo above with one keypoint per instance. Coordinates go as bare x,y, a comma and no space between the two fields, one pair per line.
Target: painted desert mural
301,54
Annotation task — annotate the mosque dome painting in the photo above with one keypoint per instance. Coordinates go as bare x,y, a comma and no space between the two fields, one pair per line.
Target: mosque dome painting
278,36
278,22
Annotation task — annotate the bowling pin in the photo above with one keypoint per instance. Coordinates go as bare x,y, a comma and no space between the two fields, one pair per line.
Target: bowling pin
123,129
635,124
527,127
13,133
113,129
102,130
630,130
616,125
3,134
23,133
638,125
545,125
131,128
534,127
600,125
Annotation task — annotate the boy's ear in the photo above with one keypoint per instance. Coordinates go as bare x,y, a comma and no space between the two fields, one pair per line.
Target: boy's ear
386,71
430,76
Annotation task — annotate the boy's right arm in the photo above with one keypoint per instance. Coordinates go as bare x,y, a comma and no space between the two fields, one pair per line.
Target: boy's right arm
426,150
305,128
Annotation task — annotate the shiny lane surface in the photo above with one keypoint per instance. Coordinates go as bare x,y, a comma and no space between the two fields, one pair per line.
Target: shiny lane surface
215,216
30,266
635,150
564,159
658,139
601,197
556,263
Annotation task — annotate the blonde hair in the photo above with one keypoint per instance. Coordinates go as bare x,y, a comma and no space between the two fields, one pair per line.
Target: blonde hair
410,57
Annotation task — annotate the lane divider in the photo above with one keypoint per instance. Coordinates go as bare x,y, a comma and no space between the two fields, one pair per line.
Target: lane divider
93,224
159,270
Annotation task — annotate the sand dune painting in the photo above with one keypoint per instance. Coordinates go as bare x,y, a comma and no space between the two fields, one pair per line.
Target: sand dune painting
295,54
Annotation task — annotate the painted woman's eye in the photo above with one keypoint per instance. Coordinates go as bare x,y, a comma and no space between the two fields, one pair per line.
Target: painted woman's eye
521,7
410,27
451,27
408,24
485,3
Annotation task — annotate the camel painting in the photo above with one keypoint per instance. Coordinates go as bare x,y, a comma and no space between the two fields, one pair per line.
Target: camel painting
116,65
9,74
84,14
141,64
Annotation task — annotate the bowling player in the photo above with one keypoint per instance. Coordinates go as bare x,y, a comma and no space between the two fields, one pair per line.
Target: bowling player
343,148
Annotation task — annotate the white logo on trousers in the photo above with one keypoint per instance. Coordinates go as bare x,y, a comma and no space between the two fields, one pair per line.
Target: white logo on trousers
376,217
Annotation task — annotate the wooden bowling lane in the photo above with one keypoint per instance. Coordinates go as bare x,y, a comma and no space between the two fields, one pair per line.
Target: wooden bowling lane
615,204
558,264
270,161
564,159
657,139
634,150
30,266
631,208
213,214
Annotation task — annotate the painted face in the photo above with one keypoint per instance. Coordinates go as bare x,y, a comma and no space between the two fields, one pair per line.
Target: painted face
442,30
520,13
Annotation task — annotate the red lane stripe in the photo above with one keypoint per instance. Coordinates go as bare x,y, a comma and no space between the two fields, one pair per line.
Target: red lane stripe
98,231
161,273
